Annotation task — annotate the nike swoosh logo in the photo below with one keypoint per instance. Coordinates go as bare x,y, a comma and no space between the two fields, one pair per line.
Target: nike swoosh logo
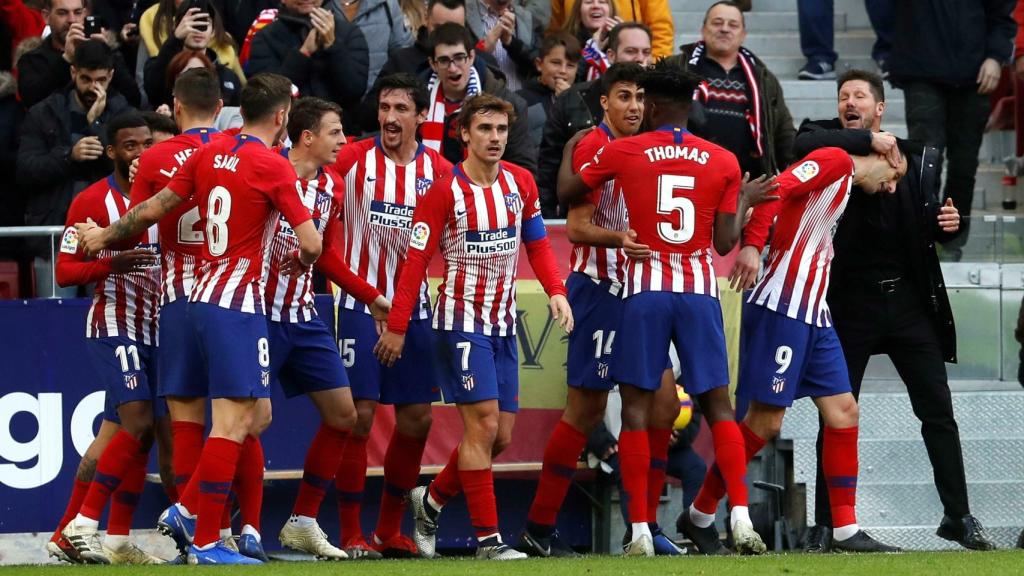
368,179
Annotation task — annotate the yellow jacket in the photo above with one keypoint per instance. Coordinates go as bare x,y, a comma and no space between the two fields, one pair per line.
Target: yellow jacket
656,14
225,52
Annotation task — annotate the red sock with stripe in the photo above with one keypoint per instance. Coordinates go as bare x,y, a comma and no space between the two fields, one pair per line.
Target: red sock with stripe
318,472
248,481
560,457
349,482
657,440
187,439
78,492
110,472
217,466
730,468
713,489
447,484
401,471
126,498
634,466
478,486
840,464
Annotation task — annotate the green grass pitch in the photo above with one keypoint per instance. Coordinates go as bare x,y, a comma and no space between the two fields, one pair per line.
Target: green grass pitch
923,563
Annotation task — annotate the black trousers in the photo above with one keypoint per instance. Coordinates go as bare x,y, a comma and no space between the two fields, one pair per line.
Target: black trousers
895,323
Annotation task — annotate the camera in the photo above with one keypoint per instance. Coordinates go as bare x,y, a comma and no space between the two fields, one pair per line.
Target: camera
204,8
94,25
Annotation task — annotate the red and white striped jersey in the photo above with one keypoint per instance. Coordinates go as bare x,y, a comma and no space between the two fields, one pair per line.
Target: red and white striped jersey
813,196
240,186
673,184
181,239
598,262
123,304
377,215
288,298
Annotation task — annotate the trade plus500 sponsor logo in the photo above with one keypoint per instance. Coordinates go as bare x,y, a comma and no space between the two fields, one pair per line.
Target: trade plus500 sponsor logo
391,215
500,241
27,463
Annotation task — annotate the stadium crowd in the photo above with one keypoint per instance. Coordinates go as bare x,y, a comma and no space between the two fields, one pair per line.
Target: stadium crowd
98,97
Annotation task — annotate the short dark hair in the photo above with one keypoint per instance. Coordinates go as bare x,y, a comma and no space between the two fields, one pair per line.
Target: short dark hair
564,39
263,95
93,55
124,121
158,122
874,82
614,33
198,90
306,114
729,3
450,34
484,103
449,4
411,84
629,72
669,80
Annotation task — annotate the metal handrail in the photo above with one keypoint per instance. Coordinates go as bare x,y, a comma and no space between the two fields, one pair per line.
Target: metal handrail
36,231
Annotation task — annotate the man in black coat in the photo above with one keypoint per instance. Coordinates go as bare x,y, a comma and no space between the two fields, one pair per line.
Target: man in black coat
322,54
947,56
61,147
887,294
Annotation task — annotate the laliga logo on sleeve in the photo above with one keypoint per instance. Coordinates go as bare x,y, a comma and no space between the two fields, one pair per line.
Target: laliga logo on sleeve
422,185
420,236
69,242
806,171
514,202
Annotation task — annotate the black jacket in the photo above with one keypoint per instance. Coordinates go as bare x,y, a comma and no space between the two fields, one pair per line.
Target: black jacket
45,169
577,108
43,71
337,74
539,99
155,76
946,41
918,193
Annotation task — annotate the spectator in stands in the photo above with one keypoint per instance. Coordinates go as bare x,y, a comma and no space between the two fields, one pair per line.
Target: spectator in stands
887,294
61,147
556,65
159,23
121,17
414,59
17,22
655,14
321,53
453,81
579,107
43,71
383,26
947,58
239,15
509,33
590,22
817,36
161,126
192,37
744,109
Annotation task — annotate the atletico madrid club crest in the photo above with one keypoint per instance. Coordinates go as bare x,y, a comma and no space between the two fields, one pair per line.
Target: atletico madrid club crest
468,382
514,202
131,381
778,384
422,185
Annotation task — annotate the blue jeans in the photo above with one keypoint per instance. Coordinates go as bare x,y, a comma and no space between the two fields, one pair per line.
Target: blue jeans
817,29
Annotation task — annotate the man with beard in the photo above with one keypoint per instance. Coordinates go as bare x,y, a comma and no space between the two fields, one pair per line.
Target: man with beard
887,294
44,70
61,148
385,177
121,340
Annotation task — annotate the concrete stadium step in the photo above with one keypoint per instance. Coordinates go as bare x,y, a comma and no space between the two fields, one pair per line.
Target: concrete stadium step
690,22
800,89
787,67
854,43
924,538
820,108
906,460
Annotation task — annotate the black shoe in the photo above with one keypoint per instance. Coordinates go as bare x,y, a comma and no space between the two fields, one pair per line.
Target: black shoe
818,540
550,547
1020,540
861,542
706,539
967,532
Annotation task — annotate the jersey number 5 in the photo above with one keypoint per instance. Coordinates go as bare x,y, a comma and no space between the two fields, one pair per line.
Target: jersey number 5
679,231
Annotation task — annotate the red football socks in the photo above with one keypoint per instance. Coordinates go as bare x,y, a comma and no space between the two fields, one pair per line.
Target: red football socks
111,469
217,466
657,440
401,471
447,484
187,439
349,481
126,498
322,460
713,489
78,493
839,462
478,485
248,481
560,457
634,466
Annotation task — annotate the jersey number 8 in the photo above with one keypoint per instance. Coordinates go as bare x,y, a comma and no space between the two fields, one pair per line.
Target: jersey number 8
681,230
218,210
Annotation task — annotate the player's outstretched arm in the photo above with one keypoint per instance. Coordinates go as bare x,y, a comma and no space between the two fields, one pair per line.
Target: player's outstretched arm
94,238
570,186
310,242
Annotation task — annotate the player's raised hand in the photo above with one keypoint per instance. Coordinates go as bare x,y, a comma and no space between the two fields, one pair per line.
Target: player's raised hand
133,260
633,249
561,312
885,144
133,169
293,266
389,348
949,217
760,190
379,309
90,237
570,146
744,271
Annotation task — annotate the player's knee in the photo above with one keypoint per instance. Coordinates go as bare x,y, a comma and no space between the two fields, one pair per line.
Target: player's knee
842,413
260,419
347,419
484,429
501,441
415,425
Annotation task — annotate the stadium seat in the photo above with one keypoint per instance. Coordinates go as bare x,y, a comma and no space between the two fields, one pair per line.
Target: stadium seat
10,280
